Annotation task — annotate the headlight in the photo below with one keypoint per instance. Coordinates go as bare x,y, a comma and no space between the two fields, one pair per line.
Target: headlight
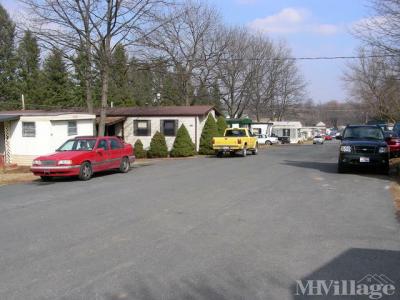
345,148
65,162
37,162
383,149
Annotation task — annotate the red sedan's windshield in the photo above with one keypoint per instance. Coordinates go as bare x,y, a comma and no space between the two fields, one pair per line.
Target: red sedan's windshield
78,145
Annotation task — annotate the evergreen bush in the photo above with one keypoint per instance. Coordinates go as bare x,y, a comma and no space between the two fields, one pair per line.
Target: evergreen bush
183,145
221,125
139,151
210,130
158,146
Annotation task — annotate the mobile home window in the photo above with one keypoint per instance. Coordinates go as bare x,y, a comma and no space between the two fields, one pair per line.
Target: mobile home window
142,127
28,129
286,132
72,128
168,127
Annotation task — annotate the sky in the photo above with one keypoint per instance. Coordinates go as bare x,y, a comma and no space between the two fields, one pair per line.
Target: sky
311,28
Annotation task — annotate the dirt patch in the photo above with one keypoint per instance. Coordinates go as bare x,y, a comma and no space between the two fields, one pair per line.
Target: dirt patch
395,186
16,175
395,189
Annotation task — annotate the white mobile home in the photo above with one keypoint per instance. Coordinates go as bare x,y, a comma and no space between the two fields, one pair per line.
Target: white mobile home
27,134
288,129
133,123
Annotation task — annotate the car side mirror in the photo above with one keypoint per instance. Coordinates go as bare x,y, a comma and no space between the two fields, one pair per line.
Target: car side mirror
339,137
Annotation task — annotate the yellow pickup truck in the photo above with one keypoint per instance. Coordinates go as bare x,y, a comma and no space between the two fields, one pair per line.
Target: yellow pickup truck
235,140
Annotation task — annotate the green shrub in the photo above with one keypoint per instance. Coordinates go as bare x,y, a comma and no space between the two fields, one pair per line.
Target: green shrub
183,145
158,146
139,151
210,130
221,125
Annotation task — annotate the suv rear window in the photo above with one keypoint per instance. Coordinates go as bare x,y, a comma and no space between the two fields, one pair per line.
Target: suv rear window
363,133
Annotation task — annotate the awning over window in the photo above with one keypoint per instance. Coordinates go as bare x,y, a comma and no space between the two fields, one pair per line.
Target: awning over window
111,120
5,118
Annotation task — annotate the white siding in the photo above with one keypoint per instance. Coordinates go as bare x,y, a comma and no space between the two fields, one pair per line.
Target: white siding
190,122
155,122
50,134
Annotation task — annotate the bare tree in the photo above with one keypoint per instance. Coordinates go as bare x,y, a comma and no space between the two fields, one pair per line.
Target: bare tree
372,82
234,72
187,38
96,27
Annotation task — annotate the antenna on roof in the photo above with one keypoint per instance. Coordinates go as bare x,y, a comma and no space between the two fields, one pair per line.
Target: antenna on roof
23,101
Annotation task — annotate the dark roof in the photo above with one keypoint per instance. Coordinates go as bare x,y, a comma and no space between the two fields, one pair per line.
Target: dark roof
196,110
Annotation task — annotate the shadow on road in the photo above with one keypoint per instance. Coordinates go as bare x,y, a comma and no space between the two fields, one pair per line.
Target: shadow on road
54,180
354,264
331,168
368,266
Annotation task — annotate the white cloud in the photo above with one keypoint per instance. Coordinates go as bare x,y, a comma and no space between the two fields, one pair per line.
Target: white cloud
292,20
326,29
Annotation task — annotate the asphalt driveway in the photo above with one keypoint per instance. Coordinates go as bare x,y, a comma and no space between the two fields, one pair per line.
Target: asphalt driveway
203,228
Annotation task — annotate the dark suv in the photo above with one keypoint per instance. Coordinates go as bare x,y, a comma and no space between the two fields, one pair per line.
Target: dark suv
363,145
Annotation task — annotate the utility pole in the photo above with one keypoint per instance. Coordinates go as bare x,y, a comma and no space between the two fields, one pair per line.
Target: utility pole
23,101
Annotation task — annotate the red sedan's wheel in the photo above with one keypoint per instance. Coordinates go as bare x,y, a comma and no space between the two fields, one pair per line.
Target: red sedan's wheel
86,171
125,165
45,178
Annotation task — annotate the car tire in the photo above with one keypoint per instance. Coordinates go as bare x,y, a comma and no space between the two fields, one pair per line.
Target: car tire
255,151
244,152
86,171
269,143
45,178
385,170
220,154
341,168
125,165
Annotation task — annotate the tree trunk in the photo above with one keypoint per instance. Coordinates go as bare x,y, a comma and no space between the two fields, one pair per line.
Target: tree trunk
104,98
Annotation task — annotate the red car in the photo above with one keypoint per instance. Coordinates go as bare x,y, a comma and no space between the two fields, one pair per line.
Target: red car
394,146
328,137
83,156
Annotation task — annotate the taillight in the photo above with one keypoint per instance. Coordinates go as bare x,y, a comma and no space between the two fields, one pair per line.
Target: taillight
213,141
239,141
393,141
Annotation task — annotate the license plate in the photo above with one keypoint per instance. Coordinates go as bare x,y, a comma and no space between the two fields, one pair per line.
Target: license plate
364,159
226,148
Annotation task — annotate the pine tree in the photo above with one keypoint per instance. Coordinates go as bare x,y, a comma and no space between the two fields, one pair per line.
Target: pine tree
58,88
203,96
210,130
183,144
140,79
28,54
84,76
158,146
8,82
216,96
139,151
119,91
221,125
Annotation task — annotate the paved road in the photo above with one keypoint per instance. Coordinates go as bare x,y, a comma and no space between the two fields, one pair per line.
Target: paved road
204,228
